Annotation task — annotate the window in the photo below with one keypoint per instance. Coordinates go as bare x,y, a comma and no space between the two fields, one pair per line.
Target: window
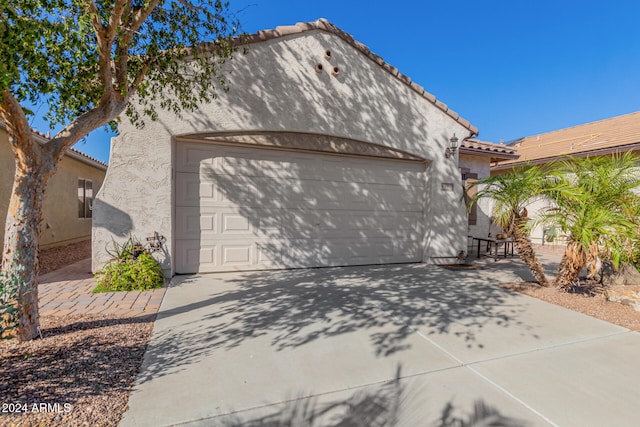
468,181
85,198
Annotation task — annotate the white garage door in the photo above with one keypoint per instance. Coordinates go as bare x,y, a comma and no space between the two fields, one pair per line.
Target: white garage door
245,208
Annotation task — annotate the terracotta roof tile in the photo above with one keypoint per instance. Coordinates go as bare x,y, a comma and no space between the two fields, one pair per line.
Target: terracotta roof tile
80,153
495,151
324,25
430,97
453,114
598,137
419,89
442,105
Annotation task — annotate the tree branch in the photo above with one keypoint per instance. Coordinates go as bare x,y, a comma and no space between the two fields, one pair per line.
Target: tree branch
19,130
103,113
95,16
135,21
141,15
133,87
104,46
116,18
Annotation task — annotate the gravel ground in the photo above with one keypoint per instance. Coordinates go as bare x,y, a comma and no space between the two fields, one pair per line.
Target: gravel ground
60,256
595,306
83,369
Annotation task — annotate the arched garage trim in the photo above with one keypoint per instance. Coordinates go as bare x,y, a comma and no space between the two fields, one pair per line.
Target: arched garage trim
301,141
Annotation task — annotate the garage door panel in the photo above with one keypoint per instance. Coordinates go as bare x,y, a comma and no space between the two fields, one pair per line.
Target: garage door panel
235,223
191,257
241,208
192,223
192,190
195,190
193,157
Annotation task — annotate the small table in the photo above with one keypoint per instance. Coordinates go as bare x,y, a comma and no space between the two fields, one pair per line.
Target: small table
491,243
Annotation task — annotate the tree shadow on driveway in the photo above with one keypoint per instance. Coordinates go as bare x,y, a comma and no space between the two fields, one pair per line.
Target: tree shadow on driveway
293,308
391,404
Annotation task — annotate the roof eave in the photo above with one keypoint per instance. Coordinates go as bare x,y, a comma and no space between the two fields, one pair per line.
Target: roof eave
80,156
495,155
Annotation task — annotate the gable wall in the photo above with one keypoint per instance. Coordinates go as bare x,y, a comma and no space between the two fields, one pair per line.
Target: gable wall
275,88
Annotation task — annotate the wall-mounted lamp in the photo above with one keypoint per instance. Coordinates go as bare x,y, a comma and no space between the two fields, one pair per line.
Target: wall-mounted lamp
453,146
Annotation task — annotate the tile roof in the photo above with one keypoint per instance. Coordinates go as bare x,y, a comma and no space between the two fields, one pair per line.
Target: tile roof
619,133
497,152
324,25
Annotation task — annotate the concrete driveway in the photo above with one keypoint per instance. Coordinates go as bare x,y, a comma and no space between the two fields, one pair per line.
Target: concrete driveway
405,345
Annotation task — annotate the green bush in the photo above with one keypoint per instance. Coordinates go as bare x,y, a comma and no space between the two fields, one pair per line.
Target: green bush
130,274
131,248
9,287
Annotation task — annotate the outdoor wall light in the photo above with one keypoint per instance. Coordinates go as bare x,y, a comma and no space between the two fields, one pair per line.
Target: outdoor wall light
453,146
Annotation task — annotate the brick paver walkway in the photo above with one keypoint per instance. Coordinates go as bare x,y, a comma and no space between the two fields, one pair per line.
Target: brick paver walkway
68,291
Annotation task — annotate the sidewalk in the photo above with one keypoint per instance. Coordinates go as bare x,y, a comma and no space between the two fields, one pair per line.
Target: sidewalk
67,291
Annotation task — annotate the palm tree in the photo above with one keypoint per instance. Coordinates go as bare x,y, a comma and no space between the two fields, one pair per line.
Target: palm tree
511,193
594,206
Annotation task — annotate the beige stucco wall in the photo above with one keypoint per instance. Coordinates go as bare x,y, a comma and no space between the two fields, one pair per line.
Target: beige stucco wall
275,87
60,223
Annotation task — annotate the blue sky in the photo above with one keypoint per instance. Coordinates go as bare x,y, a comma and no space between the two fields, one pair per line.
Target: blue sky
512,68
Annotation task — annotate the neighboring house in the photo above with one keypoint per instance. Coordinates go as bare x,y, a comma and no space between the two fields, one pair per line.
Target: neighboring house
67,205
320,154
605,137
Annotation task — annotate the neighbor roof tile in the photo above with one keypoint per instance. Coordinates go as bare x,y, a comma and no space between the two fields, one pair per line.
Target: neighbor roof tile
613,134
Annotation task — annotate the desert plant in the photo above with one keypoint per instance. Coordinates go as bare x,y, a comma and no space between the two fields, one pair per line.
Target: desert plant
131,268
595,207
140,273
511,193
9,315
131,248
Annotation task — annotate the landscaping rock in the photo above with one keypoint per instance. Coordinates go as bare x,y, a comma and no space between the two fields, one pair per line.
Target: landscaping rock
624,294
626,275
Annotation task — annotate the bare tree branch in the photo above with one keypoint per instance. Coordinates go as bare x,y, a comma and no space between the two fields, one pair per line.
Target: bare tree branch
141,15
104,48
119,9
95,16
107,110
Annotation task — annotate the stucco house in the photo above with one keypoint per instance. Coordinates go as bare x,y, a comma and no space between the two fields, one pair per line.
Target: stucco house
604,137
67,205
320,154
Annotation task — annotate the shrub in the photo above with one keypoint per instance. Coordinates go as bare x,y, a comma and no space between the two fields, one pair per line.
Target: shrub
9,288
130,269
131,248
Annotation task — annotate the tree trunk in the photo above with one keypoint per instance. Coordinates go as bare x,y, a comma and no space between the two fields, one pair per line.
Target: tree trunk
572,262
528,255
525,249
22,232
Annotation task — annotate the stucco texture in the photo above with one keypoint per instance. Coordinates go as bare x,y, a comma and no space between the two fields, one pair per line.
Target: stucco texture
275,88
60,224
